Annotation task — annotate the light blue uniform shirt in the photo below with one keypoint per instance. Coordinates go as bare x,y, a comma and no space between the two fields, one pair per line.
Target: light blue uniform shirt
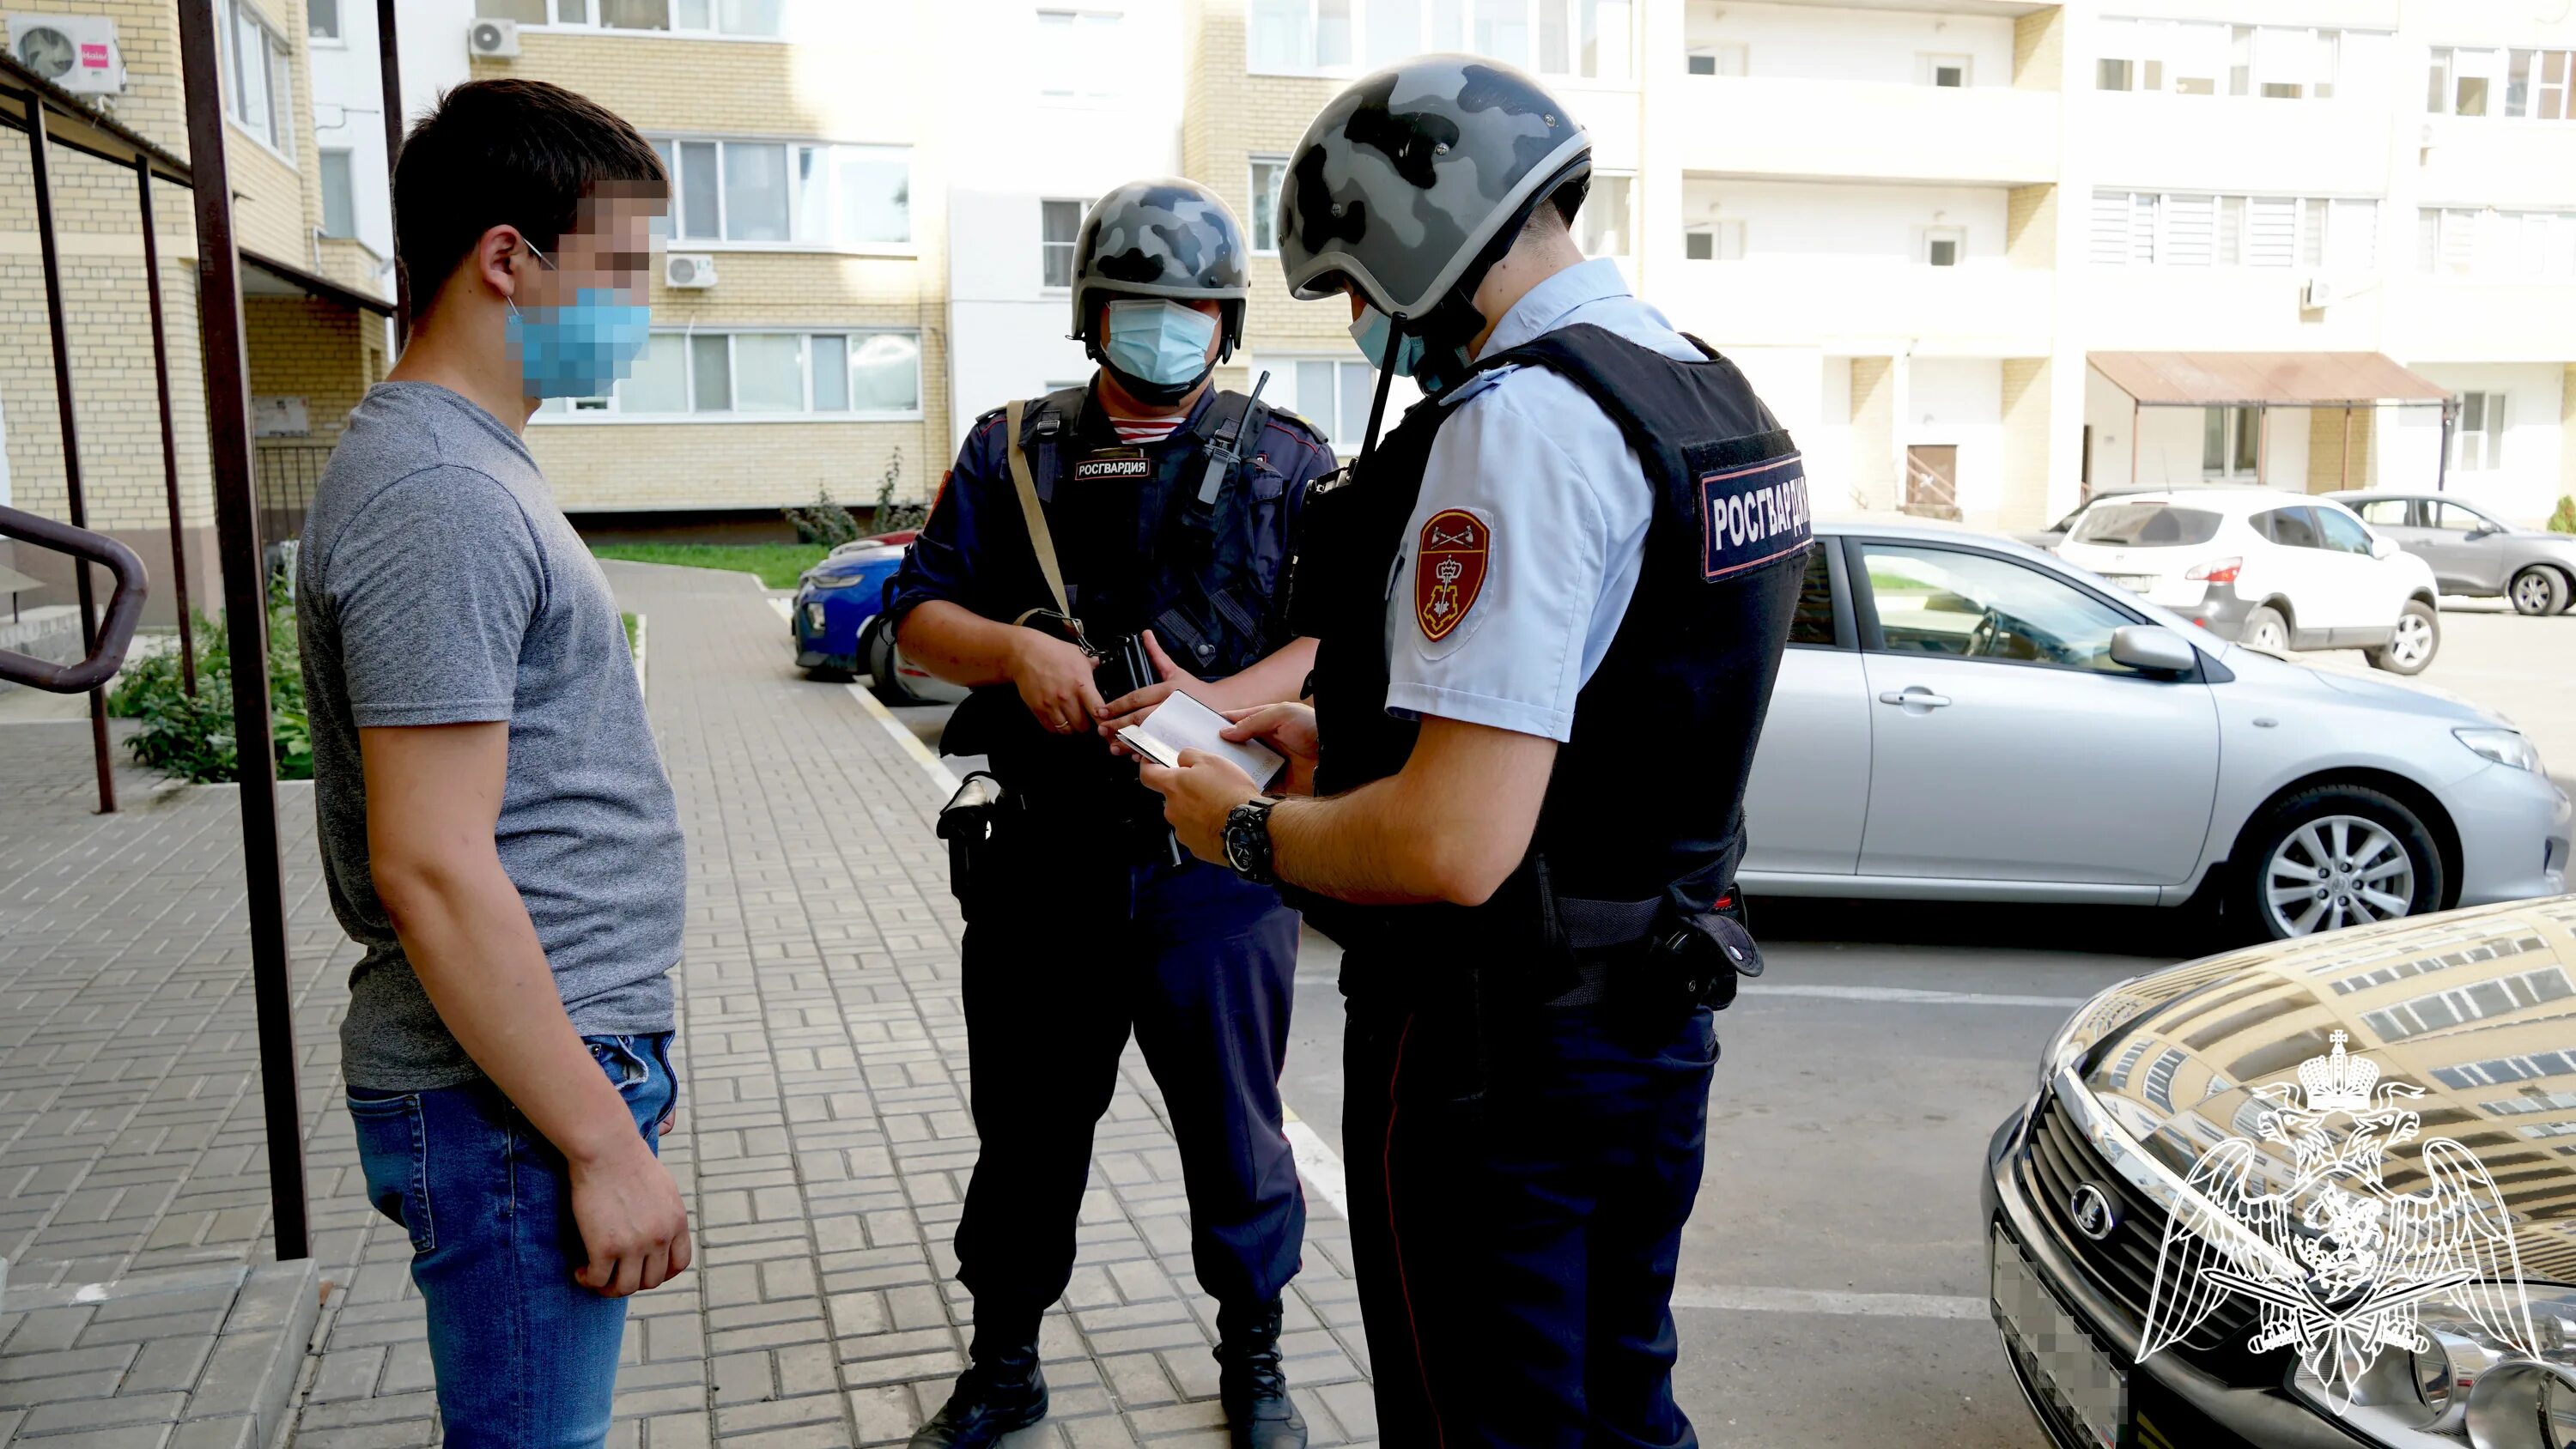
1565,505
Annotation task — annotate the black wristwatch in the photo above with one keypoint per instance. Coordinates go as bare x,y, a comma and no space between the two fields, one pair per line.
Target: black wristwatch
1247,840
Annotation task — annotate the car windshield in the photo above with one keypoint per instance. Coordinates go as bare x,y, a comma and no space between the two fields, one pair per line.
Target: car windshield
2146,525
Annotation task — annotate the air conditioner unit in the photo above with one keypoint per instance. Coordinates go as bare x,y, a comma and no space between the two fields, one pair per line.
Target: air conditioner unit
76,52
493,39
688,271
2319,292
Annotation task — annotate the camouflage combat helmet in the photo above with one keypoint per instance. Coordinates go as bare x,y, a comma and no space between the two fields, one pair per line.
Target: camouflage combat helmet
1164,237
1409,183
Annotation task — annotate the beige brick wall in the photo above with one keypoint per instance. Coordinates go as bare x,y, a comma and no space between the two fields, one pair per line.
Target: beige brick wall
2030,225
1873,420
2326,471
322,353
1231,116
2025,443
2039,48
847,87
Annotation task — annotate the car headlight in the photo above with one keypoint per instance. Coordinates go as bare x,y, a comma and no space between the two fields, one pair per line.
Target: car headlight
2463,1381
838,581
2106,1013
2505,747
814,616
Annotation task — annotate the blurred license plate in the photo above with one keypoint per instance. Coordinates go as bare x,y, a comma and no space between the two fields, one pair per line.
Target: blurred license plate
2066,1368
2139,584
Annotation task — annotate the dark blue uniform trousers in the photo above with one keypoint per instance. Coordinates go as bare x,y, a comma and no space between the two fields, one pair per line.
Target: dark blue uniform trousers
1201,965
1516,1258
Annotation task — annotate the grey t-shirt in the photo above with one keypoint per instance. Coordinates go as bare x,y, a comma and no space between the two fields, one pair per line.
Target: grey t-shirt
439,584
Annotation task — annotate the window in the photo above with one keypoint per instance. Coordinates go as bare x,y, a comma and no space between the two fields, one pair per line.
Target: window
1589,38
2343,532
1813,623
1943,245
755,18
2512,85
1725,58
2456,517
2386,512
322,19
1267,174
1718,241
2480,242
2145,525
258,70
2229,442
790,194
1059,223
1977,606
1081,63
1949,72
2289,527
1334,394
339,207
2145,228
764,374
2477,432
1604,226
2189,57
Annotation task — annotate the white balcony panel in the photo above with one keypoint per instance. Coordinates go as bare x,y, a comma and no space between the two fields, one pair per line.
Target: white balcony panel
2447,319
1868,131
2147,309
2233,144
2498,163
1845,307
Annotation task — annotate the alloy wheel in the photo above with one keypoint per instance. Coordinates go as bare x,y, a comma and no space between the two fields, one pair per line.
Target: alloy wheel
2337,871
2270,636
2413,643
2531,592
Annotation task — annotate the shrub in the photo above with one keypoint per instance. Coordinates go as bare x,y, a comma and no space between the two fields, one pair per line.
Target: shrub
822,521
2564,520
192,736
890,515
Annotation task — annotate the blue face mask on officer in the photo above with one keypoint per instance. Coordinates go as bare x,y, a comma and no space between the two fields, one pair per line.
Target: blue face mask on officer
580,348
1158,348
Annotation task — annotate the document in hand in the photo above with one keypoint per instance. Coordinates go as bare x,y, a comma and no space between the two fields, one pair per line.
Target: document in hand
1183,723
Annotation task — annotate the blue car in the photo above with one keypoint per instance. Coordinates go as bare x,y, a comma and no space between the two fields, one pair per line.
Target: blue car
834,619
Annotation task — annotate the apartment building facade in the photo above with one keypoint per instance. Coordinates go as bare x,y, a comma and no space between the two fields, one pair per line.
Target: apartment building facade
312,311
801,328
1917,225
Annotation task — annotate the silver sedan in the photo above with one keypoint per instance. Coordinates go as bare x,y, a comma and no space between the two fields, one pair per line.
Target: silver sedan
1963,717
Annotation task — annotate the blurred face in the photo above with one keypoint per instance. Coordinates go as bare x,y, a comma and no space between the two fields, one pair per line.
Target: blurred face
611,247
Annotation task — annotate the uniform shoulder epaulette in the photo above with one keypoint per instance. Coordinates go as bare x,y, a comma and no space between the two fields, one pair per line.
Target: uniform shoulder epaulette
1295,424
1482,382
985,417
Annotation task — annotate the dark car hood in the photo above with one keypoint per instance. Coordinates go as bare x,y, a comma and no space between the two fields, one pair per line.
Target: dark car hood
2477,1008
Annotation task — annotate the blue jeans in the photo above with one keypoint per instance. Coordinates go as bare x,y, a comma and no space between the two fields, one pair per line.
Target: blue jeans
526,1358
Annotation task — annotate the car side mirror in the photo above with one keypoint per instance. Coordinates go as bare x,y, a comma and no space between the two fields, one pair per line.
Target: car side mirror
2153,648
2382,546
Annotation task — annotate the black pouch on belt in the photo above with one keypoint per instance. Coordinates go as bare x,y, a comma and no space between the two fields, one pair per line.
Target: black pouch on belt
1699,957
973,822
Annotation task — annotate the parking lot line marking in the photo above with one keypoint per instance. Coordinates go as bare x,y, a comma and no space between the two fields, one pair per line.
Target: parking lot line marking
1318,1169
1801,1300
1911,996
911,742
785,609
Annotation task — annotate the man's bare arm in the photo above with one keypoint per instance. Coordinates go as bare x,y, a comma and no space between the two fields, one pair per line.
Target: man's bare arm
433,797
1451,826
1054,677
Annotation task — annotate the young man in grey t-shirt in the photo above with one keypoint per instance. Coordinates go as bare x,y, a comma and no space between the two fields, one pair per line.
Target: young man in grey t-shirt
496,826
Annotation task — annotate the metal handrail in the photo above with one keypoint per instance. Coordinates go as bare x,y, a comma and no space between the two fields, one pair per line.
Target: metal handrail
115,632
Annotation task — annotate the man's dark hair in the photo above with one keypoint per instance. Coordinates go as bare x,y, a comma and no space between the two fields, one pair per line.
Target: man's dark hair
519,153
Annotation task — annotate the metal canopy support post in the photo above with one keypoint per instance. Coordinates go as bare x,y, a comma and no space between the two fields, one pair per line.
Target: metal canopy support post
389,61
169,434
2442,464
41,172
245,617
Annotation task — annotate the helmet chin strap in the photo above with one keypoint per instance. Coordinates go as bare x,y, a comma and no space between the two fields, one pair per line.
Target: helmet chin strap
1385,380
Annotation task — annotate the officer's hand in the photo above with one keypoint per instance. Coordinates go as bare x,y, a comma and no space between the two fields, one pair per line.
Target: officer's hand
1287,728
1054,680
1197,796
1131,709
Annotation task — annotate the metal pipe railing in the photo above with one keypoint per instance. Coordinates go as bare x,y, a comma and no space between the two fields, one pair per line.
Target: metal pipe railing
105,649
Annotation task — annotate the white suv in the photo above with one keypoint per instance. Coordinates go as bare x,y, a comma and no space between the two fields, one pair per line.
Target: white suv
2275,570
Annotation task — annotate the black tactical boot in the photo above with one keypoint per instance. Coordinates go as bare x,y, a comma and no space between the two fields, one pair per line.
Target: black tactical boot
1001,1391
1250,1383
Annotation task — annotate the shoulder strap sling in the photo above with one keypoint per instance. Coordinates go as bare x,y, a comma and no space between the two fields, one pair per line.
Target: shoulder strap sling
1041,538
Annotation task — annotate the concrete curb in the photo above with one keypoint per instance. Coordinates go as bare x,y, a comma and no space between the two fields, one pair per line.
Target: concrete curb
233,1389
247,1393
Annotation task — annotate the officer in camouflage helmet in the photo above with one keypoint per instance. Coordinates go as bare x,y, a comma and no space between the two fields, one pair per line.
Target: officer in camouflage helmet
1148,507
1551,606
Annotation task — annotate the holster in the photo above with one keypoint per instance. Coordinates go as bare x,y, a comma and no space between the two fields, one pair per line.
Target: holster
975,822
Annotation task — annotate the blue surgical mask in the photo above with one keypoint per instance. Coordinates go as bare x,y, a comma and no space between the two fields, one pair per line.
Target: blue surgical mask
1158,342
1371,332
579,349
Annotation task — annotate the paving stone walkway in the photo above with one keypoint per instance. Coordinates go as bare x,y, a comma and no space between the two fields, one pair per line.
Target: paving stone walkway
823,1140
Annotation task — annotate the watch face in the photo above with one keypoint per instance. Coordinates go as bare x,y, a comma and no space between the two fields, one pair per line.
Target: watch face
1238,851
46,51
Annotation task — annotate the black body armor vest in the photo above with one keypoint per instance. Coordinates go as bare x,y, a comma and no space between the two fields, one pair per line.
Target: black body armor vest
1646,798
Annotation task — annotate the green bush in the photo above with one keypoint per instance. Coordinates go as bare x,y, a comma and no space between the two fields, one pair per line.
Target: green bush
823,521
2564,520
192,737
